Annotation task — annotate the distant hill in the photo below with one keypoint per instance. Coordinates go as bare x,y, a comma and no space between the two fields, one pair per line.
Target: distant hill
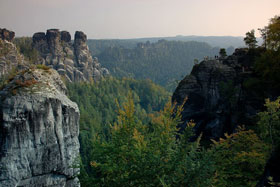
97,46
164,62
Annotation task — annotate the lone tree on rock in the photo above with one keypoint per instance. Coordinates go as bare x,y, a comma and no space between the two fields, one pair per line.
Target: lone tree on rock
223,53
271,34
250,39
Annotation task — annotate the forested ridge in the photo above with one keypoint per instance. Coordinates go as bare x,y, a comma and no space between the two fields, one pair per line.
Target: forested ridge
141,149
99,102
164,62
130,131
99,45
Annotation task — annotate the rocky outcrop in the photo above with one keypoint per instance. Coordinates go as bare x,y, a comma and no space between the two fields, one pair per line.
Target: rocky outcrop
39,129
10,58
71,60
7,35
216,98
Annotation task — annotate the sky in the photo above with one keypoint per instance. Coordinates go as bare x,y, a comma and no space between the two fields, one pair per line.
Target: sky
104,19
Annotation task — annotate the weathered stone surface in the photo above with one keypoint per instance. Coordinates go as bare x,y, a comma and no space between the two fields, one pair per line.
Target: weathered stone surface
39,132
65,36
6,35
80,37
216,100
10,58
53,39
58,51
37,37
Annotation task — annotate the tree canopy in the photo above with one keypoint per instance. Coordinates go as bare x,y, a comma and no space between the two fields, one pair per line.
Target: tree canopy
164,62
250,39
271,34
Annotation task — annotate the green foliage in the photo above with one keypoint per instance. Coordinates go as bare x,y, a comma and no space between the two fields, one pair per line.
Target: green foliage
4,50
266,80
272,183
97,100
267,67
97,104
269,123
163,62
147,150
271,34
223,53
8,77
97,46
240,159
43,67
250,39
24,46
149,155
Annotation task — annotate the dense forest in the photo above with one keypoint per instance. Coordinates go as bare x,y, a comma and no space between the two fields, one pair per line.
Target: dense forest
98,104
98,46
164,62
142,147
129,133
151,152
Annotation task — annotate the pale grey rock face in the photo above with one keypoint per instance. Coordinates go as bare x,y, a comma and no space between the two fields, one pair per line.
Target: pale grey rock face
57,51
38,132
7,35
10,58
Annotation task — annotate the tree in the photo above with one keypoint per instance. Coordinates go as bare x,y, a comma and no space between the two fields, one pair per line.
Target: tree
250,39
223,53
267,65
271,34
240,159
195,61
150,155
24,46
269,123
263,32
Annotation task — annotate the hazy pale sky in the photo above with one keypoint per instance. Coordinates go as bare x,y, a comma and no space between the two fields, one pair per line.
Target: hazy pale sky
138,18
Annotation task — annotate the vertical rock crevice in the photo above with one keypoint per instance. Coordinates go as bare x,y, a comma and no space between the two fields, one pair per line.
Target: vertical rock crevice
72,60
39,131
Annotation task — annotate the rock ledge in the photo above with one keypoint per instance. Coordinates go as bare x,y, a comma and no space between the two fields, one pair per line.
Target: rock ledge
39,128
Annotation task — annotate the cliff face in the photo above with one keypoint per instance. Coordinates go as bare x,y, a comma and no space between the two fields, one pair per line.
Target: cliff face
217,100
39,129
9,56
72,60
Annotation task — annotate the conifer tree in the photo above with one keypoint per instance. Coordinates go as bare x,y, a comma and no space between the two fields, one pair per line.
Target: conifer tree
250,39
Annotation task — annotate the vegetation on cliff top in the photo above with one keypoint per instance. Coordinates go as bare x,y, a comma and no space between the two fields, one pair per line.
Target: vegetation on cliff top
133,153
164,62
97,104
152,153
24,46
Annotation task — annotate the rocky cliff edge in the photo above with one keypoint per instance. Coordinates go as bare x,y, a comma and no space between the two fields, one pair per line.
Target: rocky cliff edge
217,100
10,58
39,128
71,60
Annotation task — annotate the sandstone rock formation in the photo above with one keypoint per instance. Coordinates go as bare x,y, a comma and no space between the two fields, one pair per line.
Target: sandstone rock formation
217,101
39,129
72,60
9,56
7,35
